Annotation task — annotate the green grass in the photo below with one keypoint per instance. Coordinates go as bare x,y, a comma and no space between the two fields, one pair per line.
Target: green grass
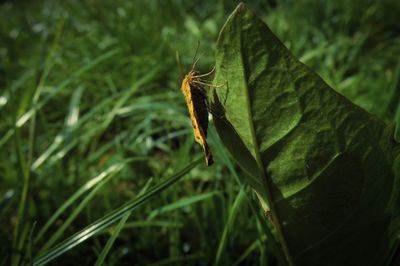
91,111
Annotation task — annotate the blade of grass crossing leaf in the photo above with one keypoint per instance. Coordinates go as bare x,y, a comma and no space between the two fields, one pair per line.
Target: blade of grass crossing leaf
229,225
118,229
225,157
274,244
112,217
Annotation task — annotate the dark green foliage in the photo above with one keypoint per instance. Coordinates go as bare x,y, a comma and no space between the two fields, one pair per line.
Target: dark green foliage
325,168
90,111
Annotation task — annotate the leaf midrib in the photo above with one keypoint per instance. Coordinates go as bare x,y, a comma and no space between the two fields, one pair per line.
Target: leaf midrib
275,217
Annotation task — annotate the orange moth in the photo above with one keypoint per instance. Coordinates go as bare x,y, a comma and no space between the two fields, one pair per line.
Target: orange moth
196,100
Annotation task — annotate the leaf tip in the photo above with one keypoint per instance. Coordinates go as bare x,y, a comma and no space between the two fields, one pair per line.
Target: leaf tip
241,8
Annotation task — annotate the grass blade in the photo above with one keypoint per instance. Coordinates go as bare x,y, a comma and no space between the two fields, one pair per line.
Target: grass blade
112,217
70,123
181,203
110,242
99,182
84,189
229,224
117,230
250,250
28,115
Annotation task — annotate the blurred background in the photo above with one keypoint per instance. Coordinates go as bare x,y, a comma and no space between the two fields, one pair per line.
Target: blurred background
90,106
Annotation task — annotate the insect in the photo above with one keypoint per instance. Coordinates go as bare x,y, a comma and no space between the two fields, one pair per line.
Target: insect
196,100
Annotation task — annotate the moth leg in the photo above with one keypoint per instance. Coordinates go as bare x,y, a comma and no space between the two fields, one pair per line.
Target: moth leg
205,75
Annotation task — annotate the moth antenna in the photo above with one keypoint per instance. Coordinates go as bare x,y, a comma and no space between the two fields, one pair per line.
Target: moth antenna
178,60
194,63
194,60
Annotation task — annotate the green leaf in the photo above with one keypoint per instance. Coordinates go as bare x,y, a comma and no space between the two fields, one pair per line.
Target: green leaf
325,169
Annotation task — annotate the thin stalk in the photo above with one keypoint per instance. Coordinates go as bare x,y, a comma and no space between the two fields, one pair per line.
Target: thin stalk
19,237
